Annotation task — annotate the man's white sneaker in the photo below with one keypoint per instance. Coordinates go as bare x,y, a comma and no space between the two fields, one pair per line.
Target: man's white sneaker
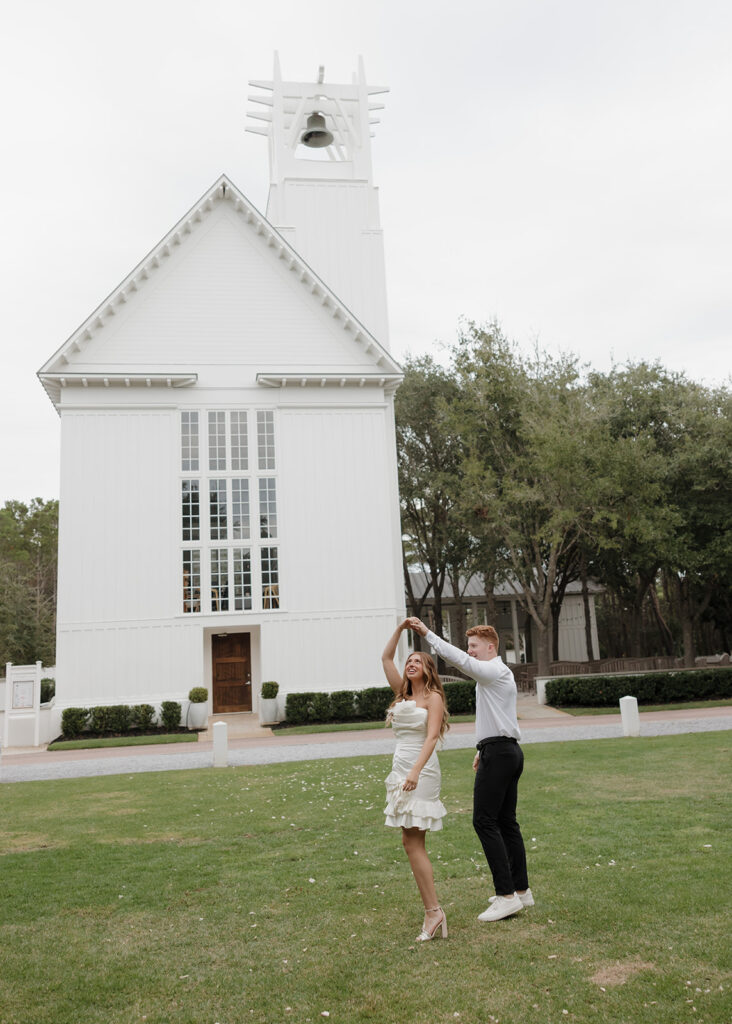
502,906
526,898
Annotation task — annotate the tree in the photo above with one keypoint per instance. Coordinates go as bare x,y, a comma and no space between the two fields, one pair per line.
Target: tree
700,480
429,457
529,449
637,406
28,558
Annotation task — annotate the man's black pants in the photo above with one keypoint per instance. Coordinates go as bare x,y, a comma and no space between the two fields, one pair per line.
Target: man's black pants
494,812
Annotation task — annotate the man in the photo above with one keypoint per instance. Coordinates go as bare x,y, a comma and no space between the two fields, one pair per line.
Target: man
498,764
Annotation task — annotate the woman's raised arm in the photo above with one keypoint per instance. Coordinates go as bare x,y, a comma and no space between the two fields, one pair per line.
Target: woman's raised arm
391,672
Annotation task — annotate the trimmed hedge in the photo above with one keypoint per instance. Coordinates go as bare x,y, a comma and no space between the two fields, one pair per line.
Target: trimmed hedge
460,697
647,687
170,715
343,705
113,718
298,708
369,705
73,721
118,719
372,703
48,690
144,716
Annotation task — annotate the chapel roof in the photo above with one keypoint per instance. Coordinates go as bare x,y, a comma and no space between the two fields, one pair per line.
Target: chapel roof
58,372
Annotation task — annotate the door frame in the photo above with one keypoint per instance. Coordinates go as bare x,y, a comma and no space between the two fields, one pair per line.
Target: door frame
254,654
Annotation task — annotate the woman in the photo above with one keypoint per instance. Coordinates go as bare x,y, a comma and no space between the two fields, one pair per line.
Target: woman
419,718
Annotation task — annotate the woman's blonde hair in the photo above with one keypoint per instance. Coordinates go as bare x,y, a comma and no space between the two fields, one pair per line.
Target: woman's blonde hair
432,684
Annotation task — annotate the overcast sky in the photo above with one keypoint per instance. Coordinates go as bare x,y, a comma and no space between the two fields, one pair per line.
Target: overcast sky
564,167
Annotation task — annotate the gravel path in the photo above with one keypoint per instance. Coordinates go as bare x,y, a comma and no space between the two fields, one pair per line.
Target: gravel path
544,729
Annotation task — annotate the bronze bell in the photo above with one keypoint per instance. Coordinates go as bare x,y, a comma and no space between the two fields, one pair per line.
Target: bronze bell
316,135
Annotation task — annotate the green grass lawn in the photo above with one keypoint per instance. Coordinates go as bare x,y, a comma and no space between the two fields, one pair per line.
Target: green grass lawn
124,741
687,705
300,730
303,730
274,894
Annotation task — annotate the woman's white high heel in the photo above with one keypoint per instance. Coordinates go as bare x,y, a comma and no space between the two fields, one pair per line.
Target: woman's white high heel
425,936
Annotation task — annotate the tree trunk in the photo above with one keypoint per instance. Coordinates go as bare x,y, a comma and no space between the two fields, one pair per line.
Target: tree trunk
415,603
459,622
542,650
642,584
687,622
555,631
589,642
437,619
528,638
666,636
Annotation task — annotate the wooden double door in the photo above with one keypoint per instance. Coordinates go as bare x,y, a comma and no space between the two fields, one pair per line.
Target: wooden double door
231,673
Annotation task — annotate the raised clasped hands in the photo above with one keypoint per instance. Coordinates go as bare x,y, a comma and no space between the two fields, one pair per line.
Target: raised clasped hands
416,624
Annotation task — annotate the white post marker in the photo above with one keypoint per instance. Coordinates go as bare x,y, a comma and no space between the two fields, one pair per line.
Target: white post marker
629,715
220,745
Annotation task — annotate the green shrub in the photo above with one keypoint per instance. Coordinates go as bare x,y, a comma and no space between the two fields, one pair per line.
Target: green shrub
298,708
647,687
143,716
120,718
48,690
321,709
343,705
270,689
73,721
198,695
114,719
373,702
460,697
170,715
100,719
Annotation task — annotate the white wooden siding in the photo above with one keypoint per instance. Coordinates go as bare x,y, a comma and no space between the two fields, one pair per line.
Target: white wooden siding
222,298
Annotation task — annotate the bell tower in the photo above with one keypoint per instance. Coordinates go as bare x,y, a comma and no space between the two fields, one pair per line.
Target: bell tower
322,197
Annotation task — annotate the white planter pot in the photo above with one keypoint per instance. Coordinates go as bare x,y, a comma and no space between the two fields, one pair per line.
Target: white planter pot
198,716
268,710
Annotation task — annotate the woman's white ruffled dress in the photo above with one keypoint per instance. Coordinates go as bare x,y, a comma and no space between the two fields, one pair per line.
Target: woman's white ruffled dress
421,808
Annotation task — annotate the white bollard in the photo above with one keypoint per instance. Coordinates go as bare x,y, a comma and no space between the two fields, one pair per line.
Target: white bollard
630,717
220,745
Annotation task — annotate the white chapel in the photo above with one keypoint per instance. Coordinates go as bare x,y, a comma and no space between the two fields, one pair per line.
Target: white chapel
229,506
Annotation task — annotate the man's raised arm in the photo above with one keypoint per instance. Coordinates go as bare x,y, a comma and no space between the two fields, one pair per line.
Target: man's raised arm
481,671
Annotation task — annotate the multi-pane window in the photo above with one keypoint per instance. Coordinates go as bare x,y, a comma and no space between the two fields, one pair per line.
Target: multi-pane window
270,579
189,442
190,510
265,439
242,569
239,509
217,441
191,581
239,450
267,507
217,508
228,503
219,580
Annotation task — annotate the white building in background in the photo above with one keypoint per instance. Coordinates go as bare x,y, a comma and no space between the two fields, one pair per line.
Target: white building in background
517,631
229,505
